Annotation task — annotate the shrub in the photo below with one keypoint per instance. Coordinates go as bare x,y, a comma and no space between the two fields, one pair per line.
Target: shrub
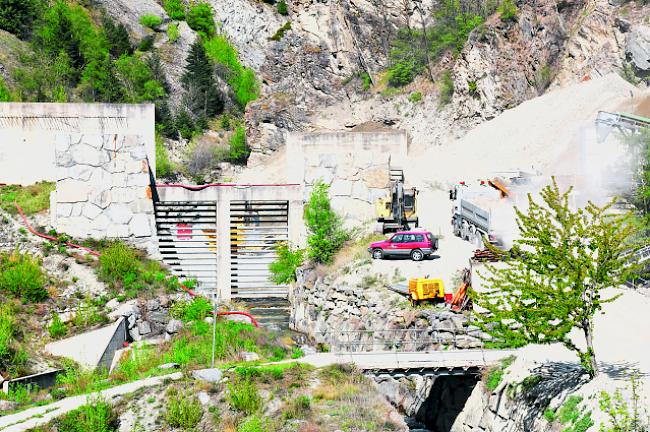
200,18
415,97
282,8
138,80
117,36
242,80
283,269
298,408
494,378
173,33
150,20
568,412
253,424
18,16
175,9
508,10
195,310
163,165
146,44
183,411
446,88
7,332
97,416
243,396
325,234
5,94
118,263
58,328
21,275
279,34
239,150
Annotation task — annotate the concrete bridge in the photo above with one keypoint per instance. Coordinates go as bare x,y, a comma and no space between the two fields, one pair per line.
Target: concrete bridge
423,363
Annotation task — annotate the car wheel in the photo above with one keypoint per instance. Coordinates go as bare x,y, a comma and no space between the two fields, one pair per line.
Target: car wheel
417,255
377,254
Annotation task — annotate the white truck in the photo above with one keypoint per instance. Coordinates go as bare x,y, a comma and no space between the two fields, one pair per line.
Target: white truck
484,209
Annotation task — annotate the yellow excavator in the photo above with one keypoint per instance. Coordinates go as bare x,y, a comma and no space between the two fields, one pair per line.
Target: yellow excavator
398,210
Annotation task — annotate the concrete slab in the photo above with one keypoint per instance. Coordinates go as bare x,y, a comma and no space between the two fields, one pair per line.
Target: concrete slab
90,349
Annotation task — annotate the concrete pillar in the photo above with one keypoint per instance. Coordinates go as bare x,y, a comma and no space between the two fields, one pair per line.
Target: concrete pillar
297,232
223,248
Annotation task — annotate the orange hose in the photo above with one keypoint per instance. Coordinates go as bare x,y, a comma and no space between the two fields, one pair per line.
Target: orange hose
95,253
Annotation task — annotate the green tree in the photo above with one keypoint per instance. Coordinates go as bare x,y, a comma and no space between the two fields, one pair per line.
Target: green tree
18,16
203,97
200,18
324,227
117,36
100,82
555,275
508,11
5,94
239,150
640,197
282,8
138,81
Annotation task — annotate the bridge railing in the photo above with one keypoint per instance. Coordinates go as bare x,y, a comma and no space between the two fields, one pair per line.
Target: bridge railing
397,340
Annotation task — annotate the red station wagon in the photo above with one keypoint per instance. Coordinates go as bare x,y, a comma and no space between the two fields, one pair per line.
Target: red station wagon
415,244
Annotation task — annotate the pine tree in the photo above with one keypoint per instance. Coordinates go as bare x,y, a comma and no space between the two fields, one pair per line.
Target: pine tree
555,275
118,37
203,96
18,16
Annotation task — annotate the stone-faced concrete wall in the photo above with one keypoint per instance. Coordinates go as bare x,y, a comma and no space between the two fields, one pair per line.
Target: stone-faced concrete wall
354,164
103,186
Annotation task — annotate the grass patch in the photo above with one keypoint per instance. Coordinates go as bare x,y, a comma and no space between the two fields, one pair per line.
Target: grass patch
151,21
446,89
183,411
57,328
244,396
415,97
32,199
172,35
96,416
279,34
21,276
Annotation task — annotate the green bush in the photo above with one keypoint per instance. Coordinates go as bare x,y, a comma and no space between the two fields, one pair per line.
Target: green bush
242,80
96,416
146,44
21,275
446,88
137,78
282,8
253,424
243,396
415,97
283,269
297,408
239,150
494,378
150,20
325,233
18,16
508,10
279,34
118,263
568,412
173,33
195,310
183,411
200,18
58,328
7,332
164,167
175,9
5,94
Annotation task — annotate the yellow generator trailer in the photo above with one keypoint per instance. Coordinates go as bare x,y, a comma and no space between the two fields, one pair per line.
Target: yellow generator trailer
426,289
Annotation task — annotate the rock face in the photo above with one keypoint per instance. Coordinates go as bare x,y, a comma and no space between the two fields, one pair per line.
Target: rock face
637,49
344,313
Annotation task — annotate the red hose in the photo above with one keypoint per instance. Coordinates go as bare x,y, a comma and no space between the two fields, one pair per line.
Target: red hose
95,253
201,187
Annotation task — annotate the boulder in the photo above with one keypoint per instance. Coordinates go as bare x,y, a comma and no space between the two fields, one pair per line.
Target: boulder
167,366
174,326
112,305
637,48
249,356
208,375
144,328
125,310
153,305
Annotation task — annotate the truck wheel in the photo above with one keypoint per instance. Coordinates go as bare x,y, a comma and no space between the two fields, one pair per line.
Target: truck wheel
417,255
377,254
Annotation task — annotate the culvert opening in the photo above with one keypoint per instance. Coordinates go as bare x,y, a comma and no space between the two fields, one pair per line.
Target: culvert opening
445,402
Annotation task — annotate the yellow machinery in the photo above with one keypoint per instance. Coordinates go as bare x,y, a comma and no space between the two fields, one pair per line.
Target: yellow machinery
426,289
397,211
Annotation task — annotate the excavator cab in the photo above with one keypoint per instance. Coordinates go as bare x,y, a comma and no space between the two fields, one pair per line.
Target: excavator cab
397,211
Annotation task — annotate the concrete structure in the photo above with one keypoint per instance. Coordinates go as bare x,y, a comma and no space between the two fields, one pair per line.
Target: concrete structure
354,164
101,157
40,380
93,349
225,235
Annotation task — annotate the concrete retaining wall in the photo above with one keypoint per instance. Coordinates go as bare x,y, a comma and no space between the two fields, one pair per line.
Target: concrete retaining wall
354,164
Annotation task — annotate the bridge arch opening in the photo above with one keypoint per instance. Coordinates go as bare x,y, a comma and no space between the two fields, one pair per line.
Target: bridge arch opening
446,400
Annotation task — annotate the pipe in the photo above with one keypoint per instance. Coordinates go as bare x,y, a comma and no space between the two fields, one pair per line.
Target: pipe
95,253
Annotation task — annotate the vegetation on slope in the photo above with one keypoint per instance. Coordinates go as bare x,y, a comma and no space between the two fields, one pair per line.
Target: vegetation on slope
32,199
